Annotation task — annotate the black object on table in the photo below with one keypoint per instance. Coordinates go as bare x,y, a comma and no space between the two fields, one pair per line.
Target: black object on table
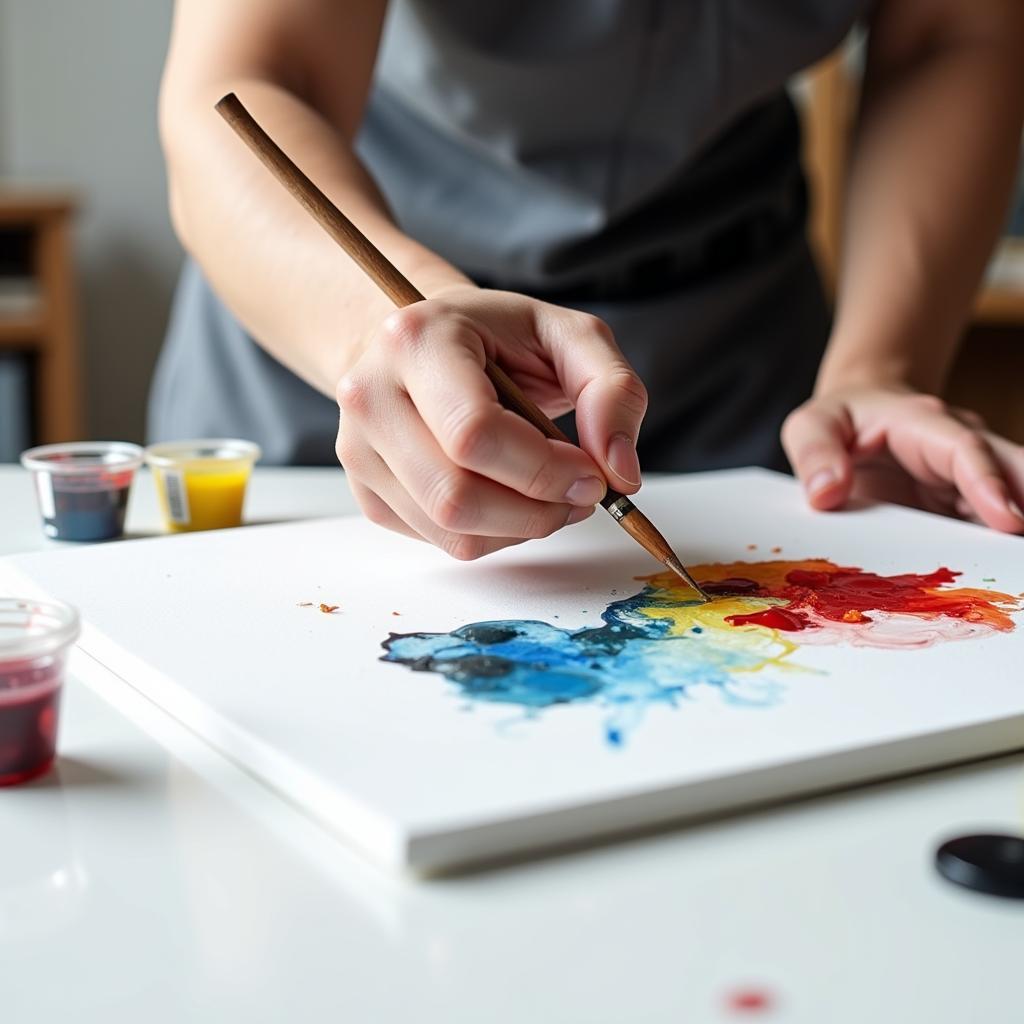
985,863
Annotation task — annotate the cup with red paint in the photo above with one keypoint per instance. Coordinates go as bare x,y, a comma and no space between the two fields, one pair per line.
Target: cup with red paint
35,637
83,487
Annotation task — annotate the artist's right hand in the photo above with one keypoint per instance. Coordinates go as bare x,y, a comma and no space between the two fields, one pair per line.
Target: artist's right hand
431,453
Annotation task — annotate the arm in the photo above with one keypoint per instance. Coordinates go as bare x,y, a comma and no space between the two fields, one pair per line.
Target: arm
932,167
428,449
303,68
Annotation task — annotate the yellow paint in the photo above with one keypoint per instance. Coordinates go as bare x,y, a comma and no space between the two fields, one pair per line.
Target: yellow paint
215,489
771,646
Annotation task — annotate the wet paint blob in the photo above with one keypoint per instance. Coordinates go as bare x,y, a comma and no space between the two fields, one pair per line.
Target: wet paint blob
657,646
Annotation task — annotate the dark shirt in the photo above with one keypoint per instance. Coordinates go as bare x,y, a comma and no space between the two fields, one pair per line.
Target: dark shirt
637,158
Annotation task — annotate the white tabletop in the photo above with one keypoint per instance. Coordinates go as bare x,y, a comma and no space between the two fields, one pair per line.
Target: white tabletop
149,879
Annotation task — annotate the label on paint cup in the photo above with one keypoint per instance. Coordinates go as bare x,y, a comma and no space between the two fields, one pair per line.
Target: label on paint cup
177,497
44,488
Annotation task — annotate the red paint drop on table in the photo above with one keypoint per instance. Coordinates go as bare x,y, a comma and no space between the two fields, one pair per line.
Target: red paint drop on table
749,1000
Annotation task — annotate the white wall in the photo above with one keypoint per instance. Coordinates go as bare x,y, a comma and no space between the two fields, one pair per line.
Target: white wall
78,88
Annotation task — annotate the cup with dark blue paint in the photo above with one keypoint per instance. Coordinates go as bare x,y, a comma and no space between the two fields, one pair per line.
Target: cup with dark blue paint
83,487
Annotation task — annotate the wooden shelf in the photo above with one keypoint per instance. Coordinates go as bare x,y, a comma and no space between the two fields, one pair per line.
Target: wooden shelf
1001,306
22,205
48,326
21,330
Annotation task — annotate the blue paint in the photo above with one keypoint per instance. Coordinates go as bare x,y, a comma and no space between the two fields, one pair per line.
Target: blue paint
626,665
86,512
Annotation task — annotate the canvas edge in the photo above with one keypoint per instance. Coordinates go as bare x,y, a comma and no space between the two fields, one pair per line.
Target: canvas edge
361,829
456,849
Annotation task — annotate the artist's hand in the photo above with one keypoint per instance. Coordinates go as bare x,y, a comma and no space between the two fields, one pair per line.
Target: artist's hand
900,445
431,453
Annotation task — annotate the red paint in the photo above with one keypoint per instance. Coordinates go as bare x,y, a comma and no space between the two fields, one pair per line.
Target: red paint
811,593
773,618
845,594
29,704
749,1000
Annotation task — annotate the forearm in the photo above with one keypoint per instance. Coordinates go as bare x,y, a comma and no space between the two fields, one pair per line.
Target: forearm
930,177
287,282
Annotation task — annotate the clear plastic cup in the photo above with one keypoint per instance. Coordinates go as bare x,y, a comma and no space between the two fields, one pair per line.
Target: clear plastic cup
83,487
201,484
35,637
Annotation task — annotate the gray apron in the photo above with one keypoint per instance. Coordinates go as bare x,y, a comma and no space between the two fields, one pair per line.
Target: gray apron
638,159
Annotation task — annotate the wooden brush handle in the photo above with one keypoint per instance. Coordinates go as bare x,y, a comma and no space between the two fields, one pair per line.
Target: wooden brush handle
380,269
390,280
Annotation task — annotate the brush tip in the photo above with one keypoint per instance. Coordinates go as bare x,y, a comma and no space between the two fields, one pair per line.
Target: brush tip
680,570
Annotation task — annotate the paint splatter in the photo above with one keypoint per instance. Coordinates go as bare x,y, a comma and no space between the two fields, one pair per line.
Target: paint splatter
657,646
749,1000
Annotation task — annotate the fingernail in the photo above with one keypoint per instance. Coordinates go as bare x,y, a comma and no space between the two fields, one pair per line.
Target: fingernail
622,459
821,481
1014,508
588,490
577,515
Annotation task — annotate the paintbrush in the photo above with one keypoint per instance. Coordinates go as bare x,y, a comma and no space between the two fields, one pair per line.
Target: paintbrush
402,293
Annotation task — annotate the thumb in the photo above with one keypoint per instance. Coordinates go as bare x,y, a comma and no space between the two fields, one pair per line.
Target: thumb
817,438
609,397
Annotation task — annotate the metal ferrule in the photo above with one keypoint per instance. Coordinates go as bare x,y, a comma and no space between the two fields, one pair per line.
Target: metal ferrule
620,508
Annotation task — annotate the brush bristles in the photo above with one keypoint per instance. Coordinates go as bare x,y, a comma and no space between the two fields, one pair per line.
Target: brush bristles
680,570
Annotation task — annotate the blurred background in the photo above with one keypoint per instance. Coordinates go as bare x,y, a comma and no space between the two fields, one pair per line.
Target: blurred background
88,259
79,155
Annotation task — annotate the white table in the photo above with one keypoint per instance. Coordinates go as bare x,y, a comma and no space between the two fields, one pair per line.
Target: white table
147,879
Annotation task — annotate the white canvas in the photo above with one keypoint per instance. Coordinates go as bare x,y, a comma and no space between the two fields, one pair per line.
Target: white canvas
223,630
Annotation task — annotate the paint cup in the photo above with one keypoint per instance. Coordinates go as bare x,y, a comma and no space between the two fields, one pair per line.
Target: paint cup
35,637
83,487
201,484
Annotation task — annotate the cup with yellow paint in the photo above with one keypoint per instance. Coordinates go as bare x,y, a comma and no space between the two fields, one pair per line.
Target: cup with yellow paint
201,484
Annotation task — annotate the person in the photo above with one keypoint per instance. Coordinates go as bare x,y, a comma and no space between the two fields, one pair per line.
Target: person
606,197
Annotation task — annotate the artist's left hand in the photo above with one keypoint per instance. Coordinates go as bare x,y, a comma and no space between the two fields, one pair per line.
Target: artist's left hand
896,444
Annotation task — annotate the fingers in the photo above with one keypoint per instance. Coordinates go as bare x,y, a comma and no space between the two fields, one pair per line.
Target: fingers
379,511
1010,457
939,449
609,397
817,438
441,364
403,481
